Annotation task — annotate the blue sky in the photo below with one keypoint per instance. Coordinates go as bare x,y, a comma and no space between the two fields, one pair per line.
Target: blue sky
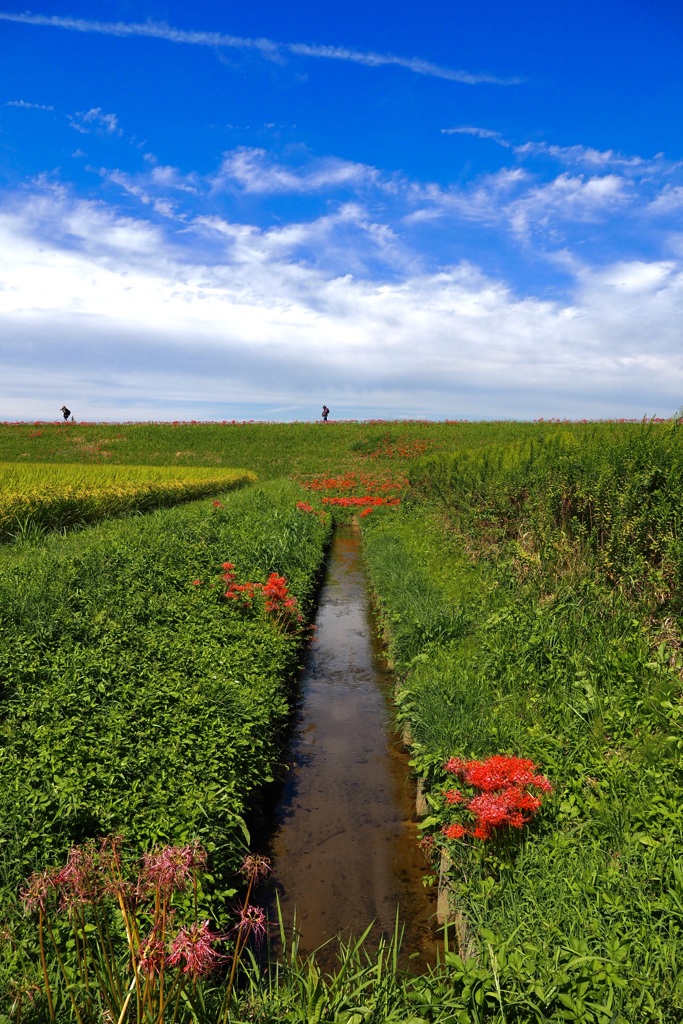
424,209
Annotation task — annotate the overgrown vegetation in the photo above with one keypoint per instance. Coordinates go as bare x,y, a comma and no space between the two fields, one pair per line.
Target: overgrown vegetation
135,697
529,581
561,557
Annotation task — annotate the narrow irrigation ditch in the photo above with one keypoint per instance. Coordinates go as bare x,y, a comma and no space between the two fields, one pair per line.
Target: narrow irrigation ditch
344,847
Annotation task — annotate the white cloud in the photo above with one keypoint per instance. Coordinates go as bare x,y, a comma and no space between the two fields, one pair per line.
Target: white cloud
596,159
266,47
86,121
480,133
254,171
568,199
484,202
28,106
115,310
667,201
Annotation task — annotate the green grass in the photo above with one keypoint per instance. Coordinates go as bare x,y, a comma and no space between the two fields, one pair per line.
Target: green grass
272,450
568,659
135,701
530,590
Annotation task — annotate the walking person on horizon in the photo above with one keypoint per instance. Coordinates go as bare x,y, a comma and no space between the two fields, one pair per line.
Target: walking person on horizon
66,412
326,413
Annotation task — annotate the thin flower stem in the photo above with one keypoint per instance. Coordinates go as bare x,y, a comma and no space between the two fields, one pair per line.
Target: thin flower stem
43,964
108,953
179,980
65,976
131,947
80,915
124,1008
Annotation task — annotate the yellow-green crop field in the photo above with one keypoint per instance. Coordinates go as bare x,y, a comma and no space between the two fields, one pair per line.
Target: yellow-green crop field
46,496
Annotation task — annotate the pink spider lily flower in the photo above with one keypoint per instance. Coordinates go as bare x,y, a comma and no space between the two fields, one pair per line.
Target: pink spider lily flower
79,880
192,949
252,922
170,868
255,866
38,888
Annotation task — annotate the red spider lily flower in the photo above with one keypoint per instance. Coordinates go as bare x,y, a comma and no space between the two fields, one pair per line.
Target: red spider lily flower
196,583
455,765
505,798
228,565
170,868
253,922
217,504
499,771
454,831
492,809
193,949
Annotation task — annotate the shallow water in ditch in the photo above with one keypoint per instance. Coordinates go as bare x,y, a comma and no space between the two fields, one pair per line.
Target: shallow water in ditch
345,848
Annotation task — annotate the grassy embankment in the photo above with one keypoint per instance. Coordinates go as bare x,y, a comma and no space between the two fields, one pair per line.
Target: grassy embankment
532,599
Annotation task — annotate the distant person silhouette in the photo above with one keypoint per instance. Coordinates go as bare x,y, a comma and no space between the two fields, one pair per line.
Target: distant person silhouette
67,412
326,413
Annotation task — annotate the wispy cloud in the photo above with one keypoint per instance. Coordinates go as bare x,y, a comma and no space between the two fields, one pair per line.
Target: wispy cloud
567,198
668,201
28,106
266,47
414,64
255,172
95,120
480,133
586,155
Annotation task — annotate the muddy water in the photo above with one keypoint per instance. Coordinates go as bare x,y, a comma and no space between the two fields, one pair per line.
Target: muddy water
345,849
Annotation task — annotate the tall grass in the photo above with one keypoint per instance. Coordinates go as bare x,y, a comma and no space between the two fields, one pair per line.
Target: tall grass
577,918
612,494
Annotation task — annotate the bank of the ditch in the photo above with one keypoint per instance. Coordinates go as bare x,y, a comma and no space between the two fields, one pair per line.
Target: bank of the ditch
578,916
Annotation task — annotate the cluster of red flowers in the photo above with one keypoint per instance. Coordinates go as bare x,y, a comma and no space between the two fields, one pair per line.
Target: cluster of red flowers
374,496
353,501
332,483
278,602
353,481
508,794
366,502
